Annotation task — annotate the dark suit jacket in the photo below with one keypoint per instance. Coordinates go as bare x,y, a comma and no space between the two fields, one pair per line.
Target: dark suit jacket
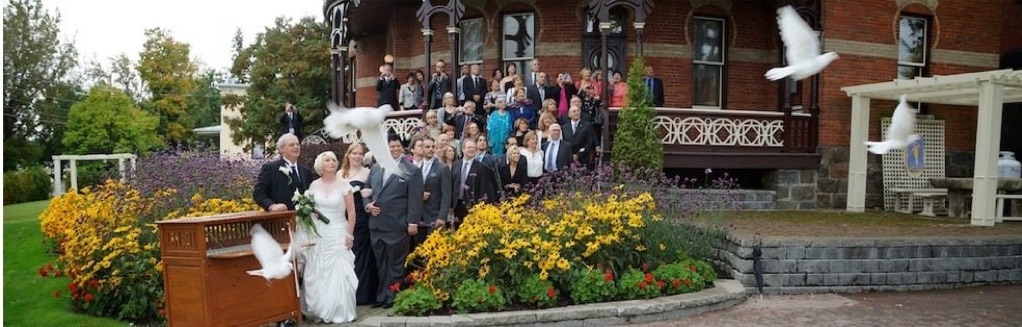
533,94
435,92
399,199
657,91
460,124
386,92
472,88
296,122
520,177
481,182
439,187
563,154
272,185
583,139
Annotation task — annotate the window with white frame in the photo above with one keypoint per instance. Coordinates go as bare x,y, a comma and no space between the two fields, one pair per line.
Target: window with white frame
912,46
471,41
519,41
708,60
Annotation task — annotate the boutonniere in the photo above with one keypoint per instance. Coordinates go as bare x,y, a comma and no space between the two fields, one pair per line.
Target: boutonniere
287,172
356,188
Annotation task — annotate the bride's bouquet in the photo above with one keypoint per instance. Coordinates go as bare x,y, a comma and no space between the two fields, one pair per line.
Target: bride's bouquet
305,205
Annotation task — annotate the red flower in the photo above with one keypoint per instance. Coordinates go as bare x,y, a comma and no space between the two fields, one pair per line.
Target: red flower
49,267
675,283
72,287
88,297
693,268
642,285
93,283
161,312
608,277
56,293
649,277
57,273
74,296
687,282
42,271
493,289
395,287
660,284
551,292
645,266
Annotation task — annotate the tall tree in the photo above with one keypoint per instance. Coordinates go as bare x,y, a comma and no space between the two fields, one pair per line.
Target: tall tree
108,121
290,63
120,74
205,100
36,67
169,73
241,57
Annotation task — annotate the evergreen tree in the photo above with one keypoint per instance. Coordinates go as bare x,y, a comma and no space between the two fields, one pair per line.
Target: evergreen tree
636,140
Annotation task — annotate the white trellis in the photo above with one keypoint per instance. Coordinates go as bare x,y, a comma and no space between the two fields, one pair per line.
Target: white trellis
58,183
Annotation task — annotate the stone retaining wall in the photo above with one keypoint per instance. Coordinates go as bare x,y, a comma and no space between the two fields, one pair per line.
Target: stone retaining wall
797,266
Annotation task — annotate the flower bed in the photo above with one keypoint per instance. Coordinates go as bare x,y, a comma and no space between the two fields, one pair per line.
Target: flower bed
571,247
105,239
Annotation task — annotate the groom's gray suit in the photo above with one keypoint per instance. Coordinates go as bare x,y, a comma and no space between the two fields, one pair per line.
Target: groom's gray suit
400,201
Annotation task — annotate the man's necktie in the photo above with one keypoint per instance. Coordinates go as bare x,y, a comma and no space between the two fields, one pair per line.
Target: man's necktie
550,157
464,176
298,178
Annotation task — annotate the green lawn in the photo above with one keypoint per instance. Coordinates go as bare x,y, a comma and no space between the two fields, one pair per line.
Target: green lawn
28,297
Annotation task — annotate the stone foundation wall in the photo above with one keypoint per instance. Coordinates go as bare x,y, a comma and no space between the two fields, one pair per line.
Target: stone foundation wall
794,189
796,266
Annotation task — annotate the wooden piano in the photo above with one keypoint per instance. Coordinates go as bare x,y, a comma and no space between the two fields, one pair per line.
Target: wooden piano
205,260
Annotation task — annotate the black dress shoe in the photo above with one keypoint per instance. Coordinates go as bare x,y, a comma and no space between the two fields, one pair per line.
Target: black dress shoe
377,304
388,305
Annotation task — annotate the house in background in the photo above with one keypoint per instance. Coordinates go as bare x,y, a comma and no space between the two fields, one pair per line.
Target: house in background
790,138
229,149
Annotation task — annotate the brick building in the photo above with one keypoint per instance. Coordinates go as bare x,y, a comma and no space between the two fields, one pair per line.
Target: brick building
720,112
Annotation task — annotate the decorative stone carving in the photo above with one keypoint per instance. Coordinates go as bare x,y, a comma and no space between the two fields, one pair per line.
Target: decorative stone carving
932,4
723,4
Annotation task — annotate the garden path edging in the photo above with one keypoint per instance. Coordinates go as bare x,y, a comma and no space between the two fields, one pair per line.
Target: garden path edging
724,294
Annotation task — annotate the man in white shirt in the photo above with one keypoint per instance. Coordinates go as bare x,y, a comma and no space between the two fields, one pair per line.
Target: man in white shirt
556,152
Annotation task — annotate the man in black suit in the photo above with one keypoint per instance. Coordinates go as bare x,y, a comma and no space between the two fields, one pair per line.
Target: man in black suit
387,87
556,151
436,195
581,136
655,87
466,117
540,91
291,121
474,86
395,209
474,181
279,179
439,84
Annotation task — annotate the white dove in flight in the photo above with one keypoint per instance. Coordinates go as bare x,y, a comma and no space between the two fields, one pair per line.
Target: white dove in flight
276,264
899,133
802,48
369,121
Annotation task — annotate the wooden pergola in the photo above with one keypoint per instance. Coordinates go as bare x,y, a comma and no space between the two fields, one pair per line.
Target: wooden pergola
988,91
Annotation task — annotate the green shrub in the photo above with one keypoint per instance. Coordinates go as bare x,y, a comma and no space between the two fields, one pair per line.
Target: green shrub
416,301
593,286
636,284
476,295
636,140
679,278
536,292
29,184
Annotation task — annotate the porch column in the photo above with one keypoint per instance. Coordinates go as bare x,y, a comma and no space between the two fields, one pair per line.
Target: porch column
639,27
74,174
58,180
856,197
427,42
452,33
988,142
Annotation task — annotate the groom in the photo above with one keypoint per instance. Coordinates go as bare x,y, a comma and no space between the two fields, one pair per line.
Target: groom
279,179
396,207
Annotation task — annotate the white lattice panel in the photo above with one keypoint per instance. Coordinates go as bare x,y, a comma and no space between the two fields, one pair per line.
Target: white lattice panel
895,169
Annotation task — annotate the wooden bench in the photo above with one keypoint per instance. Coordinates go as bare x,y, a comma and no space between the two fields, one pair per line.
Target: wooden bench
929,198
999,210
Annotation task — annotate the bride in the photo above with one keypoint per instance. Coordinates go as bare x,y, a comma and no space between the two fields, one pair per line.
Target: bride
328,290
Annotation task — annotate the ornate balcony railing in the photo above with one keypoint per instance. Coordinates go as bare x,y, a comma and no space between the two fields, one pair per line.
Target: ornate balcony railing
695,138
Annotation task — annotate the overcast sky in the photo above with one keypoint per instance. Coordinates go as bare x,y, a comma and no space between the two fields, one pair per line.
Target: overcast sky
104,28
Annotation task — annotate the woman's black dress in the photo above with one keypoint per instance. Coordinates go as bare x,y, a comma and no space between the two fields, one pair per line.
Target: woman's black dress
365,261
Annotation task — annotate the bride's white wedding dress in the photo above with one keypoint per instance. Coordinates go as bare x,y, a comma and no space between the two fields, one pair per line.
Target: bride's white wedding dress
329,284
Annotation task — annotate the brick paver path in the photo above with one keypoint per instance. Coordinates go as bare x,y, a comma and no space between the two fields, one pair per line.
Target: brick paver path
971,306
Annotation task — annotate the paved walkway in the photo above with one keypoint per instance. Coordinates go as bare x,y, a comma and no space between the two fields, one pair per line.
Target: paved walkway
971,306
